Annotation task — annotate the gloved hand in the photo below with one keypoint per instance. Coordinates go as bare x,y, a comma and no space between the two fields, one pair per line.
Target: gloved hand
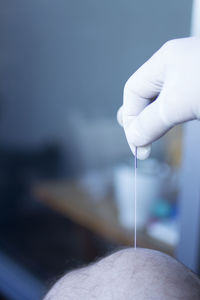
163,92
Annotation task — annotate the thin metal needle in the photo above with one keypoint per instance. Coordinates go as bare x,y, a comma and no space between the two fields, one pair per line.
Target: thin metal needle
135,200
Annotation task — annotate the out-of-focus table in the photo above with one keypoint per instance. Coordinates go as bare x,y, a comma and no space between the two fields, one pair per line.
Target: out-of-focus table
99,216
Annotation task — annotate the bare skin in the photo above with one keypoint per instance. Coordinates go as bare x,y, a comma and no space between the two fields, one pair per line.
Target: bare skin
129,274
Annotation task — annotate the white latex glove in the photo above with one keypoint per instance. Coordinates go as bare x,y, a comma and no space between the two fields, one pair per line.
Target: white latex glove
172,76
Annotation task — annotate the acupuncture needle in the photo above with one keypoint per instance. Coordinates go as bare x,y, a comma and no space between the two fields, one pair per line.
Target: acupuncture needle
135,200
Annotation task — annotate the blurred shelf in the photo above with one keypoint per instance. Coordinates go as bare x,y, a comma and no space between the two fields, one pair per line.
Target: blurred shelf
99,216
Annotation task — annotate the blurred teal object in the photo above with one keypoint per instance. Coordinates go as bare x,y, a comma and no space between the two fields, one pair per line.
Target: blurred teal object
161,209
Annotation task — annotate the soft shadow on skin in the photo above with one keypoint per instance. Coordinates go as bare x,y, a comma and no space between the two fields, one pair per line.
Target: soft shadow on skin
140,274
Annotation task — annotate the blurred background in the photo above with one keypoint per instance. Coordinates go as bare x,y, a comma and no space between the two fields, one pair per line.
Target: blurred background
66,171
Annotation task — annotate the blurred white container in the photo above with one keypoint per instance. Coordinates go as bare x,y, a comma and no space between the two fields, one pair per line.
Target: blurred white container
151,175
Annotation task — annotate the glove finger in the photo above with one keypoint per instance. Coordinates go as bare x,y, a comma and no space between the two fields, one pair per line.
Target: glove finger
145,84
149,125
142,152
120,116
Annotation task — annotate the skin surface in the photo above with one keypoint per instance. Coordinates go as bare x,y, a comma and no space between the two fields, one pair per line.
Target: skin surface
140,274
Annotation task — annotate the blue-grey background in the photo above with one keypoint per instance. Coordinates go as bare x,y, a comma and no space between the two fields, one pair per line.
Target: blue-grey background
63,55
